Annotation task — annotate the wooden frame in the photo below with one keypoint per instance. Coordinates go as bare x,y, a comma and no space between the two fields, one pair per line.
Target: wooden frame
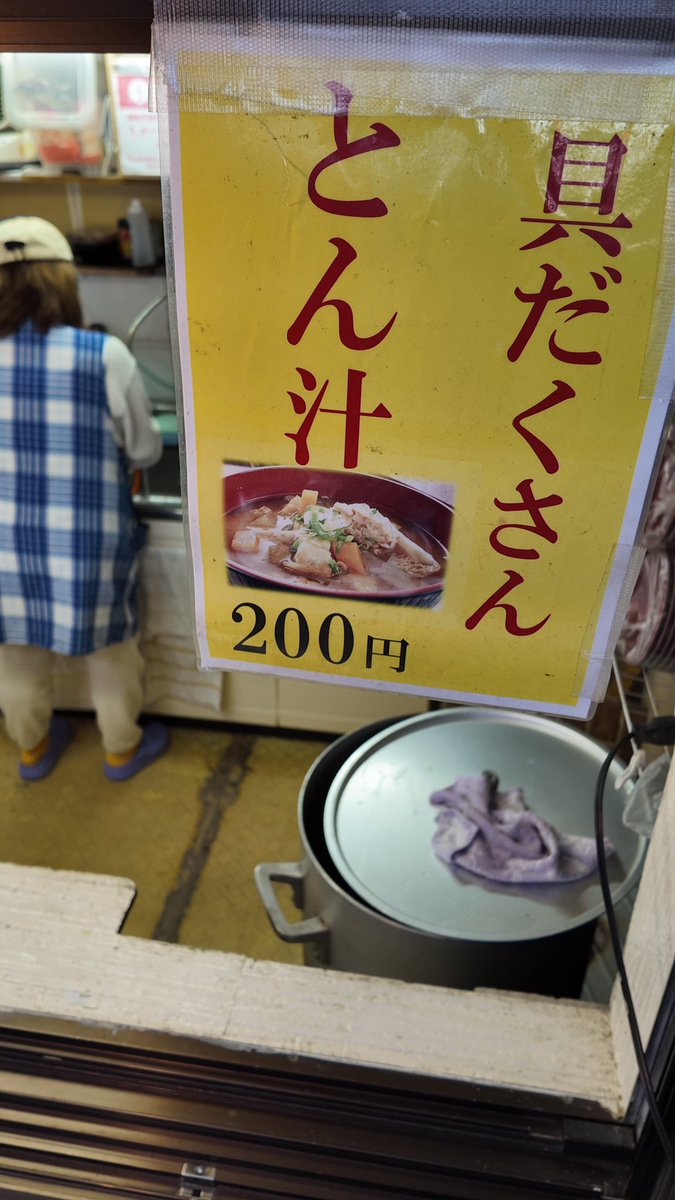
463,1095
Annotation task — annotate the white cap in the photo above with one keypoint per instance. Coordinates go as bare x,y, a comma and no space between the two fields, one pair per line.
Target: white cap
30,239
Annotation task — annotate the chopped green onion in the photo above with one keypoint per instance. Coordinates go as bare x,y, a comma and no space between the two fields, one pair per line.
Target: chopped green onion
318,529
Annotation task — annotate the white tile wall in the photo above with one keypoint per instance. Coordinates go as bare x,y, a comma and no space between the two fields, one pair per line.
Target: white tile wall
115,300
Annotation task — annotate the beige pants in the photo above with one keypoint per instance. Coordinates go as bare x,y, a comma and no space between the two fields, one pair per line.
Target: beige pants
116,683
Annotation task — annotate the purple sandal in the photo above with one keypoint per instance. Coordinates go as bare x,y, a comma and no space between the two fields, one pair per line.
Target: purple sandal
154,742
60,736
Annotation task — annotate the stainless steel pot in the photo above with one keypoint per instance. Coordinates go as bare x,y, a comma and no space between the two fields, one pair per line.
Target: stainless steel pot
346,932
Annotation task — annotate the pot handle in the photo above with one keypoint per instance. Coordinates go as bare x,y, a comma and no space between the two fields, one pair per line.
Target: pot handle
313,929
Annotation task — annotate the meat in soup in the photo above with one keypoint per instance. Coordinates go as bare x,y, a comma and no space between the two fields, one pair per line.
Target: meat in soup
338,545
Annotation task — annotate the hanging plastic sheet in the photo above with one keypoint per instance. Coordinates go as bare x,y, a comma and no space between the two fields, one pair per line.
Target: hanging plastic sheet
423,267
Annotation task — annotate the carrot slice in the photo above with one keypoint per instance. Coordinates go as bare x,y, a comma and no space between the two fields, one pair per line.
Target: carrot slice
350,557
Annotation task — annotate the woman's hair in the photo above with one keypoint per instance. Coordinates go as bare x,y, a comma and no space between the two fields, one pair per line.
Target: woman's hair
42,292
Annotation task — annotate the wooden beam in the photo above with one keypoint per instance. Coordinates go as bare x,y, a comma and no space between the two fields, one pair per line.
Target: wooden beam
72,25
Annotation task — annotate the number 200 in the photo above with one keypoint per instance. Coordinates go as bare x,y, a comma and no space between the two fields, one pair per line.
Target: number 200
292,633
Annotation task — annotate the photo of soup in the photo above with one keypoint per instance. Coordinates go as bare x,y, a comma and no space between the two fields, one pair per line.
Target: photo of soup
335,533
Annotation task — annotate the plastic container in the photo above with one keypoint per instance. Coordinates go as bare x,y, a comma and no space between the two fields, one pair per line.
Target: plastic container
56,96
142,241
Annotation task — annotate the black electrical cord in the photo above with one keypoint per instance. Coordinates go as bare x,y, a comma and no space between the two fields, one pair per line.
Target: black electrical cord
660,732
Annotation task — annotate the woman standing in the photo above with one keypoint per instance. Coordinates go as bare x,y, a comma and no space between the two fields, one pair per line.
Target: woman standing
74,421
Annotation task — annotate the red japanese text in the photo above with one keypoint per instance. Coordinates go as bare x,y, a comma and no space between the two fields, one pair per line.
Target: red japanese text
350,330
551,307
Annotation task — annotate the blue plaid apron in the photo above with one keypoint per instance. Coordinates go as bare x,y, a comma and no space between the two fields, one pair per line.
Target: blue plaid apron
69,537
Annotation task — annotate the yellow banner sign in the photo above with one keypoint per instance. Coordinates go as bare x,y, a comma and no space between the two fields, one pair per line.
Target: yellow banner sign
420,357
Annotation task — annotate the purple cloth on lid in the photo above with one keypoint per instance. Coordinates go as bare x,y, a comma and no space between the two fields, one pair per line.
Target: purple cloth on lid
495,834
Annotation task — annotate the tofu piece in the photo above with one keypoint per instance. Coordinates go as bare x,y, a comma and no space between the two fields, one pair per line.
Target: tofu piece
317,571
263,517
246,541
312,559
410,550
307,499
313,552
413,567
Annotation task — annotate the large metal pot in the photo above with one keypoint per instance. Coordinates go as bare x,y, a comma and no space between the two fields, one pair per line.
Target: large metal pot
345,931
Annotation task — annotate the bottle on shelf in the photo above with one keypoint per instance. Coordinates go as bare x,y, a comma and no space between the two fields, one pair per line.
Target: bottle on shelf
142,243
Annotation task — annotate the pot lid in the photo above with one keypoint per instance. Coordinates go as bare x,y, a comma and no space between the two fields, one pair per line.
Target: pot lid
379,823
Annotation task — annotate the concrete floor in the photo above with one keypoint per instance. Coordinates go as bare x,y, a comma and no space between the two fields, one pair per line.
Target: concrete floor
188,830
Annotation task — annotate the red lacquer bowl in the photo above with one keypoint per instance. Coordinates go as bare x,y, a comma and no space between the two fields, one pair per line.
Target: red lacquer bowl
399,501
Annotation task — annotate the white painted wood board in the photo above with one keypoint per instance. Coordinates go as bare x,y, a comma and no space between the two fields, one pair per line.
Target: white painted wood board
67,898
83,971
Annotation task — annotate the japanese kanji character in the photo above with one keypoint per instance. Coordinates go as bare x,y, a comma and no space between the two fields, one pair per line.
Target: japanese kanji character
532,506
546,457
319,298
382,138
611,245
513,580
353,412
596,230
386,652
609,170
